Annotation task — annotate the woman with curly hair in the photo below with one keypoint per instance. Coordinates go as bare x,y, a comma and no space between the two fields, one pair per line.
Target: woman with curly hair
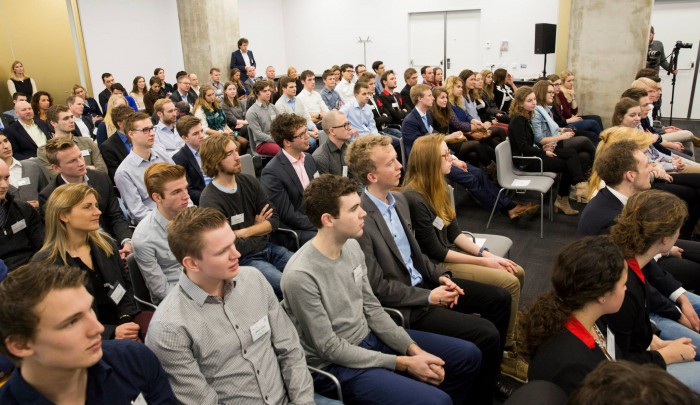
562,331
41,101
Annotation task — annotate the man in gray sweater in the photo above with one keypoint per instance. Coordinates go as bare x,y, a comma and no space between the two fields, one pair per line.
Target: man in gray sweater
342,326
260,117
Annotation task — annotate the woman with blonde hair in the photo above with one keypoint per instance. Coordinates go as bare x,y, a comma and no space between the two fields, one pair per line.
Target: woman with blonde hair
213,118
74,238
108,127
438,233
569,106
19,82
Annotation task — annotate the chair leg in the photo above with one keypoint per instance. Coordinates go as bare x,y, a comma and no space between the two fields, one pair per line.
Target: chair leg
541,216
551,205
494,207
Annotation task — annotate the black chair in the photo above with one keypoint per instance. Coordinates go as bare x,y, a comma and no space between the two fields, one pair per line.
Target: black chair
141,294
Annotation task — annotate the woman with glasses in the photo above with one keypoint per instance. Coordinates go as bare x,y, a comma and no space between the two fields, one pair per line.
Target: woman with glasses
213,118
74,238
547,131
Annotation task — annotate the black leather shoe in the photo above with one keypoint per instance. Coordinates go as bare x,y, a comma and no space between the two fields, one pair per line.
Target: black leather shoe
504,389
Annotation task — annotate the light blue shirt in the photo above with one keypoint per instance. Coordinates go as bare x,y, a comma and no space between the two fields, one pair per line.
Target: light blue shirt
168,139
543,124
361,118
393,222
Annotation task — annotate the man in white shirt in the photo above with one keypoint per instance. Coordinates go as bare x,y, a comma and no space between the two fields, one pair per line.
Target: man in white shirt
167,137
345,87
83,125
194,83
27,133
311,99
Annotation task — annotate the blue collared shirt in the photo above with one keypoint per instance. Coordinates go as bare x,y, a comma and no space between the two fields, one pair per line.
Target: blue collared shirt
361,118
124,139
168,139
128,370
331,98
393,222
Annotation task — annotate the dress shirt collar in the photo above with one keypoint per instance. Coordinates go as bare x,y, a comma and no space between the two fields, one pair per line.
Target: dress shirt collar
31,125
260,104
289,100
15,163
333,148
123,138
160,126
199,296
195,153
292,160
381,205
160,219
623,198
85,179
306,92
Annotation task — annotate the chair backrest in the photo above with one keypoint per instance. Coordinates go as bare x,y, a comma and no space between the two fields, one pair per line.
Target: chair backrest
247,166
322,138
137,282
504,163
404,160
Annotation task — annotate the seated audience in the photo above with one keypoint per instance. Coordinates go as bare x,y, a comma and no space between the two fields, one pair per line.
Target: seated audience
236,78
166,136
393,103
92,107
103,97
311,99
27,133
47,325
359,112
215,82
41,101
379,69
250,79
330,97
84,125
330,156
410,76
563,332
504,89
194,81
286,176
439,74
649,225
438,233
402,277
166,88
67,162
26,176
289,104
19,81
344,87
270,77
184,91
190,130
129,175
154,94
472,104
260,117
569,107
428,75
61,120
445,121
492,111
108,127
138,91
234,111
167,186
9,116
117,147
564,161
241,198
381,118
22,230
211,311
74,238
343,328
119,90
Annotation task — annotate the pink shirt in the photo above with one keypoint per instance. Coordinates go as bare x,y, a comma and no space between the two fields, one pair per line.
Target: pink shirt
298,165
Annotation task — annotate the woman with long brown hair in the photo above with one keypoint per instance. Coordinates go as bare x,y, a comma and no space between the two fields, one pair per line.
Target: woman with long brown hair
209,111
234,110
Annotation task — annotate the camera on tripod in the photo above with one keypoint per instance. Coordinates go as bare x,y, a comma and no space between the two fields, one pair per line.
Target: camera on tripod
683,45
651,55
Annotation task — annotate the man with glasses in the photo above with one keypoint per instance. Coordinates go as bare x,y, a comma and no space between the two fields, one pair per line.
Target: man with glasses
129,174
345,87
184,90
289,172
330,157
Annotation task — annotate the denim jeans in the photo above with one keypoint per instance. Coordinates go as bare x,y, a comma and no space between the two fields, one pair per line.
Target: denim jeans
671,330
271,262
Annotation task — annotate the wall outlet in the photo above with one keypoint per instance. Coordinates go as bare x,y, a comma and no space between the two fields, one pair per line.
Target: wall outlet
523,66
514,66
488,45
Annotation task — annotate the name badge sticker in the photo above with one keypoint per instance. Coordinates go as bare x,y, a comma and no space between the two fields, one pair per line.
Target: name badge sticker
85,152
237,219
316,175
140,400
117,293
610,343
260,328
18,226
395,105
24,181
345,171
438,223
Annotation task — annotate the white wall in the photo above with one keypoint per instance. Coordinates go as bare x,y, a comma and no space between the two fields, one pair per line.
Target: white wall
130,38
262,22
319,33
676,20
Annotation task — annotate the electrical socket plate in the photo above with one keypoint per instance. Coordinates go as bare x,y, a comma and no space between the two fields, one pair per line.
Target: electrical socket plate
523,66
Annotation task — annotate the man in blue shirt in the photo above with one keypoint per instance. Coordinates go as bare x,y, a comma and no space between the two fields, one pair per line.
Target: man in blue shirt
328,93
359,113
60,353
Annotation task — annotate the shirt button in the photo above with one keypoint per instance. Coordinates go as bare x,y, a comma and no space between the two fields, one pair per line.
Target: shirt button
245,352
258,372
236,326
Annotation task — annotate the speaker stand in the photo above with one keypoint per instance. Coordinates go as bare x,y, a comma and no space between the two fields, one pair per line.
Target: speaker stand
544,69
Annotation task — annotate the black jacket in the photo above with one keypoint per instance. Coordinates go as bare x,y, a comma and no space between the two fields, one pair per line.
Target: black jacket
113,152
23,146
398,113
16,248
194,175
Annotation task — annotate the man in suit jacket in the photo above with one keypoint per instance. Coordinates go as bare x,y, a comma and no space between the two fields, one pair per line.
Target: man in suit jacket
184,91
116,147
286,176
250,81
242,57
27,177
402,277
5,121
108,81
410,75
66,160
392,102
190,130
83,123
27,133
419,121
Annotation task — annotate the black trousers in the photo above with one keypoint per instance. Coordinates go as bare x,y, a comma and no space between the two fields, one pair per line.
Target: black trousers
487,332
567,162
686,269
685,186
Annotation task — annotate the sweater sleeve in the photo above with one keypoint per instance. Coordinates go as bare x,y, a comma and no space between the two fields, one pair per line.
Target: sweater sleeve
458,125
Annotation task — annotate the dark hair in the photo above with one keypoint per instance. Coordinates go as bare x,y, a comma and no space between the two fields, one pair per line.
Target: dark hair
322,196
621,109
344,67
186,229
106,75
71,99
54,110
131,120
156,71
20,293
17,95
424,69
118,86
242,41
155,79
135,89
635,93
625,383
231,103
184,124
326,73
408,73
583,271
305,74
284,82
358,66
385,75
284,126
181,74
647,217
212,70
120,113
541,88
260,86
650,73
183,107
612,163
359,85
35,101
499,76
465,74
441,116
376,64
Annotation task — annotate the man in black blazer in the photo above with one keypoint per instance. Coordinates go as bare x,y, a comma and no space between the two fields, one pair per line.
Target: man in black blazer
404,278
392,102
190,130
115,149
83,123
5,121
66,160
27,133
108,81
238,58
286,176
183,90
410,75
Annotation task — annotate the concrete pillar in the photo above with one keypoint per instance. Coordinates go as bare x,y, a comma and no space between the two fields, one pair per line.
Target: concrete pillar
607,46
209,31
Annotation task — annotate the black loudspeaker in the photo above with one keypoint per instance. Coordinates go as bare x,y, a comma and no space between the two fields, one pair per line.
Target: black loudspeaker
545,38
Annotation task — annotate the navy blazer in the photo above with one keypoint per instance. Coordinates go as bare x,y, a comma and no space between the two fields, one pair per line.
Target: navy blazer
113,152
191,96
238,62
6,120
195,178
413,127
284,188
23,146
90,126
